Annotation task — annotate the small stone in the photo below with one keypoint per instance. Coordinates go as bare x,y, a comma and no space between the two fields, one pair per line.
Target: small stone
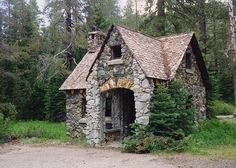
139,106
145,83
141,77
144,120
136,81
145,97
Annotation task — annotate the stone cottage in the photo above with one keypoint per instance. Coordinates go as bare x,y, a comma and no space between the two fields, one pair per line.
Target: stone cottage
112,85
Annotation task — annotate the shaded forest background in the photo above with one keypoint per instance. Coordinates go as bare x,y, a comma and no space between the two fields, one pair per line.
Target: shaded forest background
35,58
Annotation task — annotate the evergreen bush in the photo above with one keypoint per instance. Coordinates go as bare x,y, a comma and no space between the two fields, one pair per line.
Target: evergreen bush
171,119
172,113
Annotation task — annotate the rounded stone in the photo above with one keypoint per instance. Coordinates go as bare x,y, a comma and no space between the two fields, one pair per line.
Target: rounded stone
144,120
145,97
139,106
145,83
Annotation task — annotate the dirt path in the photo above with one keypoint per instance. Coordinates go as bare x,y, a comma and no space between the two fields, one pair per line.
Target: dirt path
28,156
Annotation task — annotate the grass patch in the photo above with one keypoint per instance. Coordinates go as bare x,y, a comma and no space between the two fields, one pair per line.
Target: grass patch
38,131
223,152
215,138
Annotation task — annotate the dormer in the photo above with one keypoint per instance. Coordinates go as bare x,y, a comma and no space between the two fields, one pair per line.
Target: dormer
95,40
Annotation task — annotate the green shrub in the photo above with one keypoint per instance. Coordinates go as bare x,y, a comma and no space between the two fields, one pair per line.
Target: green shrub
171,119
159,143
172,113
135,140
3,128
142,141
8,110
219,107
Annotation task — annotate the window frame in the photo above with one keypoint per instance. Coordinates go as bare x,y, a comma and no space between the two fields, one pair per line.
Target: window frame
108,102
116,52
188,61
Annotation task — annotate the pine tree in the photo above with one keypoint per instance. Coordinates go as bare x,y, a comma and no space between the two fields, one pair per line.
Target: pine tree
171,114
129,18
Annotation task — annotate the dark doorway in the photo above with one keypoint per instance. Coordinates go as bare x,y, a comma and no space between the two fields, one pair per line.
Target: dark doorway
128,110
119,113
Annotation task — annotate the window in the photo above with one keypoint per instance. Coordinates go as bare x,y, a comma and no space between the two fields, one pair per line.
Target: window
93,36
83,108
108,107
116,52
188,61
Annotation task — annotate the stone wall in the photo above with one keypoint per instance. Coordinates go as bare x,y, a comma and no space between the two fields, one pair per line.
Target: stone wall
118,68
143,89
74,113
95,117
194,84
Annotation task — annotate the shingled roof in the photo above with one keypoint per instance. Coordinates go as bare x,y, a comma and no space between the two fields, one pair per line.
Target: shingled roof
77,79
158,57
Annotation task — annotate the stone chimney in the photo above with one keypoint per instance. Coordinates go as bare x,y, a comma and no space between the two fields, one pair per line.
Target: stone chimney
95,40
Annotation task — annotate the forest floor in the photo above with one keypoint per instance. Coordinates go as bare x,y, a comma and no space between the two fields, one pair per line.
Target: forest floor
61,156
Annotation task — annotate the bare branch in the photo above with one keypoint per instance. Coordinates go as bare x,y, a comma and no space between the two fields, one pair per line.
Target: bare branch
62,52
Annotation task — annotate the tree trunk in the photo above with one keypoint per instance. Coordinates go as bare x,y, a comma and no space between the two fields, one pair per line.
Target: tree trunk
232,6
69,57
136,15
202,23
161,17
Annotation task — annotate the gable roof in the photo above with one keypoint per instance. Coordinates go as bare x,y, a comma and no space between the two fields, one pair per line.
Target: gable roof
158,57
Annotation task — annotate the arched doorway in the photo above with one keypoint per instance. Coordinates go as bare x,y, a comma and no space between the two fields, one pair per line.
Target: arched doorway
119,113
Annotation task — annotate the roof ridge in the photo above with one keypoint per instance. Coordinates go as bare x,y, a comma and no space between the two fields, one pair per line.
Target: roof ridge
174,35
152,37
155,38
166,61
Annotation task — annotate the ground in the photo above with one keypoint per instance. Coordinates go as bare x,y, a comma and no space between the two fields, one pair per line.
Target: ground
61,156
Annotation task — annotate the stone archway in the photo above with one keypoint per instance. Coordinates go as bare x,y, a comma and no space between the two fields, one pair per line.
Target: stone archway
116,83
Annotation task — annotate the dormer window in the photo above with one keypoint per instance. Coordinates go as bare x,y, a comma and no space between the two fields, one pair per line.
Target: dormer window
188,61
116,52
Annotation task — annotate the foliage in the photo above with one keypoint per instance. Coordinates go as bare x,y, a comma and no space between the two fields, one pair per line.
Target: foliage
38,129
133,142
172,113
55,102
8,110
143,141
3,128
171,119
212,134
218,107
